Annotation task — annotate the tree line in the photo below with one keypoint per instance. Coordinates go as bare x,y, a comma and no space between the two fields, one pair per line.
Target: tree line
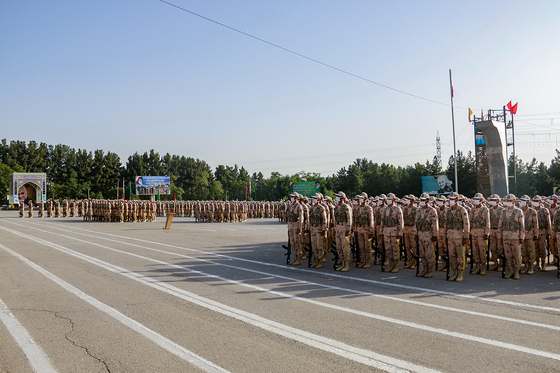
72,174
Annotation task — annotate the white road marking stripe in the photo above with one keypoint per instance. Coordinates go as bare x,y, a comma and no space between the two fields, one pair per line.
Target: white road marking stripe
35,354
165,343
490,342
335,275
359,355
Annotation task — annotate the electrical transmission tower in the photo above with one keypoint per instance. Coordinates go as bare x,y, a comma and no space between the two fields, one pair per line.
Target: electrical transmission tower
438,148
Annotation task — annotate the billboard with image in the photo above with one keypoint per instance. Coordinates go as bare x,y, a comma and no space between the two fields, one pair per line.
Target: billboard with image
152,185
26,187
437,185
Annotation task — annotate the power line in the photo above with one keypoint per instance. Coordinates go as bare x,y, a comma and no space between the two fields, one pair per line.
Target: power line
304,56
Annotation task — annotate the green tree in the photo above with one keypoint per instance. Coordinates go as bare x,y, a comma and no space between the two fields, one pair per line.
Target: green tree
466,173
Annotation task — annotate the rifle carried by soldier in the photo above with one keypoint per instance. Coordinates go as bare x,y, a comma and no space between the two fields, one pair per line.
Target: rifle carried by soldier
288,250
469,254
309,251
354,247
557,256
374,250
335,254
417,256
447,277
503,259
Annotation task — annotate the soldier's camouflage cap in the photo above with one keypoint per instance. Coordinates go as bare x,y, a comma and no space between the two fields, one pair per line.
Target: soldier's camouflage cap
391,196
478,196
525,198
364,195
537,198
510,197
424,196
340,194
454,195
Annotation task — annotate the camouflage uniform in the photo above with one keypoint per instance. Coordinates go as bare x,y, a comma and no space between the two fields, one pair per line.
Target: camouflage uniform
457,227
531,236
480,232
409,230
495,241
364,230
318,223
392,225
545,233
427,227
295,227
343,225
512,230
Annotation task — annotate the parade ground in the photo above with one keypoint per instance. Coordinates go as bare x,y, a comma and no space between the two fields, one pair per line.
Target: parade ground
81,296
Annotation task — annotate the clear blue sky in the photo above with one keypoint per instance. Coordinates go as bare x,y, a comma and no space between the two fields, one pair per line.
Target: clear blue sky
135,75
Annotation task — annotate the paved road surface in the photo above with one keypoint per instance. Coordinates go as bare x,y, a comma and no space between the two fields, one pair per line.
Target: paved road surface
107,297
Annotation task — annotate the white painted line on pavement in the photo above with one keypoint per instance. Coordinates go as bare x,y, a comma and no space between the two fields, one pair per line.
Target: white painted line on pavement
165,343
35,354
490,342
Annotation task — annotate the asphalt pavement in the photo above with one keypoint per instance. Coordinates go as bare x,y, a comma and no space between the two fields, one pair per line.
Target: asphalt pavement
81,296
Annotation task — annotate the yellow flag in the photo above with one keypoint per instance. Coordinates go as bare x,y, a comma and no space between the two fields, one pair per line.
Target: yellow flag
470,113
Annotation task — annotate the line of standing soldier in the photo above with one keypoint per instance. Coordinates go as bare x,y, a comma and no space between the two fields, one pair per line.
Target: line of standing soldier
510,232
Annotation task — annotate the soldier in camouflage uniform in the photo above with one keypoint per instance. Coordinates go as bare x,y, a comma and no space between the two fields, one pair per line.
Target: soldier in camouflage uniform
56,208
442,242
545,232
495,242
318,223
512,230
363,229
427,226
295,218
409,230
392,225
480,232
553,201
343,225
531,235
457,228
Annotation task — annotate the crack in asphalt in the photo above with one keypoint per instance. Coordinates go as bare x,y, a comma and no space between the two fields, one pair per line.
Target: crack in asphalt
66,336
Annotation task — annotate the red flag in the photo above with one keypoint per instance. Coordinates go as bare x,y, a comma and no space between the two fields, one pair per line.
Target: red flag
509,106
175,196
514,108
245,189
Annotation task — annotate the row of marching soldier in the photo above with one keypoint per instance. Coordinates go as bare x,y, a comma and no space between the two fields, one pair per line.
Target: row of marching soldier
119,210
518,235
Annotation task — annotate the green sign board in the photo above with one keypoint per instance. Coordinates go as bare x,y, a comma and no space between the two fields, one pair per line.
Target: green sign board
305,188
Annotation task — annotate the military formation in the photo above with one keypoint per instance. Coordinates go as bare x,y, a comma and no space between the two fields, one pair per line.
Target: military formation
119,210
516,236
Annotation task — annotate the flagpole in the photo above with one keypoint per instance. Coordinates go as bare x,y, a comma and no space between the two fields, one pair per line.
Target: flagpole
454,145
